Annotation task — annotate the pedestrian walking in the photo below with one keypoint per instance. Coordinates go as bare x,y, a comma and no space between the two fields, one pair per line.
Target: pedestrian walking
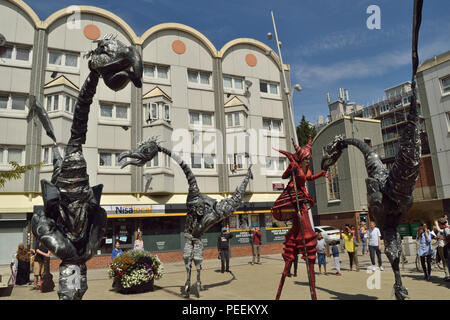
39,263
374,235
363,236
335,252
138,243
443,235
321,253
223,245
256,245
350,246
425,250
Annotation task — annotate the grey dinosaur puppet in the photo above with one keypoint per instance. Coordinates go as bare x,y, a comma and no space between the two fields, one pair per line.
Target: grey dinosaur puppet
389,192
72,223
203,212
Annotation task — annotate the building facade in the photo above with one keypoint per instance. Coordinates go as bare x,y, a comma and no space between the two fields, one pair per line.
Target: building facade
342,199
433,79
221,110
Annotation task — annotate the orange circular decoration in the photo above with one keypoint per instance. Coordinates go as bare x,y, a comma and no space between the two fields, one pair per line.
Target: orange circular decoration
251,60
179,47
92,32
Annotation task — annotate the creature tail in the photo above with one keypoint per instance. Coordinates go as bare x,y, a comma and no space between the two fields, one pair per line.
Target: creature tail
229,205
405,170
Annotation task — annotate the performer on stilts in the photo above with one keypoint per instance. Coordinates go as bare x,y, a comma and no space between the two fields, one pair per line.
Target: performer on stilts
293,204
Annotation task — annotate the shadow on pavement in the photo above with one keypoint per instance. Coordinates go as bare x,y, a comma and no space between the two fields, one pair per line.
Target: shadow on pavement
340,295
434,279
218,284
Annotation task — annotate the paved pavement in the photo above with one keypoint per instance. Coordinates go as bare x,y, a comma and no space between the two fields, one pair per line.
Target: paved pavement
260,282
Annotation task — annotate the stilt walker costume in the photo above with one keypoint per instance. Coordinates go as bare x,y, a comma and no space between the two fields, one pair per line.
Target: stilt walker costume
293,204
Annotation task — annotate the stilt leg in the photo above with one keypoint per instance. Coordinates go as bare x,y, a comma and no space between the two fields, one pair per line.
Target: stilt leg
287,266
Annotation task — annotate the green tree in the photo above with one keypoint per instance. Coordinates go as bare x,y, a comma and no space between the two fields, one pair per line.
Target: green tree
16,172
304,131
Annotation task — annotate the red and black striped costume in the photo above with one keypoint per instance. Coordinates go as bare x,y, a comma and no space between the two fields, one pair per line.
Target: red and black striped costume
285,208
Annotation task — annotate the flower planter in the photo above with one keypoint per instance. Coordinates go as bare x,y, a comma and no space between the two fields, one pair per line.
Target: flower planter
144,287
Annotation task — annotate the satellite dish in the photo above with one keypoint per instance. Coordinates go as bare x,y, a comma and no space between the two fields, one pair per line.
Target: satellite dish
2,40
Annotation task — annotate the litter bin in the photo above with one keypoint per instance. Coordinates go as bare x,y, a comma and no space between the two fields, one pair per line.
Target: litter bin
414,226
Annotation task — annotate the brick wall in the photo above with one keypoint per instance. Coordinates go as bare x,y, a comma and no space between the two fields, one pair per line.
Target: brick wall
99,262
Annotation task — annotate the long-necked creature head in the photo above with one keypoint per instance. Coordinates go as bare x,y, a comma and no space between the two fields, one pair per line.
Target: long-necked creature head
116,63
145,152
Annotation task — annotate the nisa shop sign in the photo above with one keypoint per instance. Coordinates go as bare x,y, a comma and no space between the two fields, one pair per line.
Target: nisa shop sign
124,211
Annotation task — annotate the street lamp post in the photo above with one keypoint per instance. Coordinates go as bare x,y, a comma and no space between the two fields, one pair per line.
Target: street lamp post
287,91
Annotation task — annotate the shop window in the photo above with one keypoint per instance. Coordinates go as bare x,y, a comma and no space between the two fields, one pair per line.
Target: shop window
243,221
271,222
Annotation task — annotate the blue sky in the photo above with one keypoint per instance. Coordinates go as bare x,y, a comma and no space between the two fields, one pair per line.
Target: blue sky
326,42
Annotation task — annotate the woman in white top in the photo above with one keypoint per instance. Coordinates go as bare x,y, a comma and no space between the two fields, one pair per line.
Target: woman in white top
138,243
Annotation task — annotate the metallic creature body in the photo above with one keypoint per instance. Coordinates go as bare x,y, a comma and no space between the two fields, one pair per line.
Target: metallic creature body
389,193
293,205
203,212
72,223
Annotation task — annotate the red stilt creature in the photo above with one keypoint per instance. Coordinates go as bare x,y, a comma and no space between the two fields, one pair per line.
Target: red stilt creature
293,204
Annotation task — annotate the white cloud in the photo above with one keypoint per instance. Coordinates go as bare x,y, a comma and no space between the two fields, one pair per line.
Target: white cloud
359,68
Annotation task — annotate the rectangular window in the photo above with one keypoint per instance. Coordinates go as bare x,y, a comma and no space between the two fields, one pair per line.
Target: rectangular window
149,71
22,54
6,52
267,124
275,164
445,85
56,102
333,183
196,161
273,89
236,119
238,83
71,60
194,118
49,103
55,58
105,159
153,163
230,119
227,83
1,154
15,155
63,59
269,88
166,112
4,102
121,112
106,111
154,111
276,125
207,119
263,87
163,72
47,156
166,161
18,103
192,76
198,77
448,121
209,161
204,78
